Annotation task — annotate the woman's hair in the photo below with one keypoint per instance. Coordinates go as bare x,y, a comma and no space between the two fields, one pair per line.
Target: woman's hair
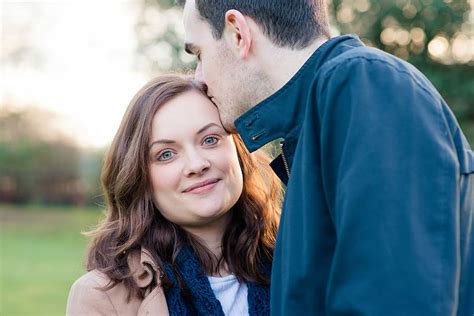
133,221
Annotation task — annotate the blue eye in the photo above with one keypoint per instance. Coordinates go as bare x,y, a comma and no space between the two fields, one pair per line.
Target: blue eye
210,140
165,155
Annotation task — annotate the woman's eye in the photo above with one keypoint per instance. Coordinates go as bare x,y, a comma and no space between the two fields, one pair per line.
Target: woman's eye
165,155
210,140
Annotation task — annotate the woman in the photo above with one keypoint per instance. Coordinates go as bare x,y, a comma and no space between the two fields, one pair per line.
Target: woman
191,214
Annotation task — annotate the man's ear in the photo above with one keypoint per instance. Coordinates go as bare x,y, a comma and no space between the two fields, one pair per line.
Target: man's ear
238,31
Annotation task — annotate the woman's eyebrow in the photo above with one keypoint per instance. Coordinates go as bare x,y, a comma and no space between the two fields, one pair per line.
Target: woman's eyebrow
207,127
168,141
162,141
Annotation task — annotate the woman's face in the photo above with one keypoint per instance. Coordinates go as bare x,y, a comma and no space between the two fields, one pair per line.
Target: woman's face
194,167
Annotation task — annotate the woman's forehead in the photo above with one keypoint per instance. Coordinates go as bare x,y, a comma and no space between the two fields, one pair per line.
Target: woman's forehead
188,112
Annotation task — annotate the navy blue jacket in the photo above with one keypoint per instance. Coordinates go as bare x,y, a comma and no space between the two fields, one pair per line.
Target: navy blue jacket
378,216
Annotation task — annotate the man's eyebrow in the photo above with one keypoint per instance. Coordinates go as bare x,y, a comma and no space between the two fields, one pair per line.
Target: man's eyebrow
190,48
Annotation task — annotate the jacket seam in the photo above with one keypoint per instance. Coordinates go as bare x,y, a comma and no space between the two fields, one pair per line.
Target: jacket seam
444,131
99,288
379,60
147,300
444,203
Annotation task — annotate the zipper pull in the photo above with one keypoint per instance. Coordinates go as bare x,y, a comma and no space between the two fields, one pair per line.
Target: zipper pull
285,163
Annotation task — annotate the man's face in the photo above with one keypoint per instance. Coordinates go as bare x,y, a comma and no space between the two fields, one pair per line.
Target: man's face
226,76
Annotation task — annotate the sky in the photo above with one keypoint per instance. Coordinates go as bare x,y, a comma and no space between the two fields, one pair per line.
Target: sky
82,67
76,59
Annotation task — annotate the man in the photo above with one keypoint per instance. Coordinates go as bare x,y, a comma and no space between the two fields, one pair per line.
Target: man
378,217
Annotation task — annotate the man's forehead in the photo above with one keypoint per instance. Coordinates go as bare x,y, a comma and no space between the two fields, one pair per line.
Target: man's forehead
190,13
192,22
198,32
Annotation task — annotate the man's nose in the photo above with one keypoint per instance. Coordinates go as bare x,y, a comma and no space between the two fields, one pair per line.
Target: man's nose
199,77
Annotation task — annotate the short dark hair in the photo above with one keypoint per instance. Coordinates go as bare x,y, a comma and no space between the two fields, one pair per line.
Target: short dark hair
288,23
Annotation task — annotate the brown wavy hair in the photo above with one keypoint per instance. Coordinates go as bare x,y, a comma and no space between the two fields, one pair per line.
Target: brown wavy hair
133,221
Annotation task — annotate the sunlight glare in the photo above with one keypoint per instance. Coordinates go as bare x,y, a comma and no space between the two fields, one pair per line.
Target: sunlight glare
86,73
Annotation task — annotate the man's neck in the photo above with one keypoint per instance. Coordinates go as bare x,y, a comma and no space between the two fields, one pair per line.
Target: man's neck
288,62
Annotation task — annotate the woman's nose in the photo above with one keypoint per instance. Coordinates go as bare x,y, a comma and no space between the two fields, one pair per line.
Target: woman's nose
196,164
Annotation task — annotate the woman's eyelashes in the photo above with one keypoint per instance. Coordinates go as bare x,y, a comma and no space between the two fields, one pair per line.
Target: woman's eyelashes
165,155
210,140
168,154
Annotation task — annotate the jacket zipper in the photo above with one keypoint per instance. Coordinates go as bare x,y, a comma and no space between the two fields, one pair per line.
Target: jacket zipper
285,163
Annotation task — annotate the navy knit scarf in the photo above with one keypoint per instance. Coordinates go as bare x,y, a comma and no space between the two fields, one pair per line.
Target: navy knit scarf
202,299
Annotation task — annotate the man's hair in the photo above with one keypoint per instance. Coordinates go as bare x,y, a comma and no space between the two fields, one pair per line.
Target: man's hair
288,23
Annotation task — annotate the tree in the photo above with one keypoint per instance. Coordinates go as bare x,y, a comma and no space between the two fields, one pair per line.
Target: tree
434,35
38,163
160,35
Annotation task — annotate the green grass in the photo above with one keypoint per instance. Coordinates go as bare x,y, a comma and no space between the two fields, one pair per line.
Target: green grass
41,254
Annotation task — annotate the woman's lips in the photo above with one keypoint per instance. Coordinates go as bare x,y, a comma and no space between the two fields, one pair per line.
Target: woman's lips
202,187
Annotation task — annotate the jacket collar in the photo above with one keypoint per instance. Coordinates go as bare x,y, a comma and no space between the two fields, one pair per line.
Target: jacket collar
280,115
143,268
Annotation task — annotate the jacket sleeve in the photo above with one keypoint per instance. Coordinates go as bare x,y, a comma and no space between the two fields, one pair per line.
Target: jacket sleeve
390,175
86,297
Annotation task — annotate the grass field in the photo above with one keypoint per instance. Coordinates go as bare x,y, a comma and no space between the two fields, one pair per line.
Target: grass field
41,254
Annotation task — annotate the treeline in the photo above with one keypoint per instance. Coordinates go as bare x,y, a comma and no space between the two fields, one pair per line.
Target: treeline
40,164
434,35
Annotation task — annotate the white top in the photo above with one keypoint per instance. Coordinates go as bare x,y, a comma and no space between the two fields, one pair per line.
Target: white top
231,294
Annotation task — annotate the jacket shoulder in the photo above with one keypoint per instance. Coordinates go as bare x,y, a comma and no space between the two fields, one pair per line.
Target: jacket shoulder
370,60
87,298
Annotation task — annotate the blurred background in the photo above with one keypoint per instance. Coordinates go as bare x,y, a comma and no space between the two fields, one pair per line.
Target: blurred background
67,72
